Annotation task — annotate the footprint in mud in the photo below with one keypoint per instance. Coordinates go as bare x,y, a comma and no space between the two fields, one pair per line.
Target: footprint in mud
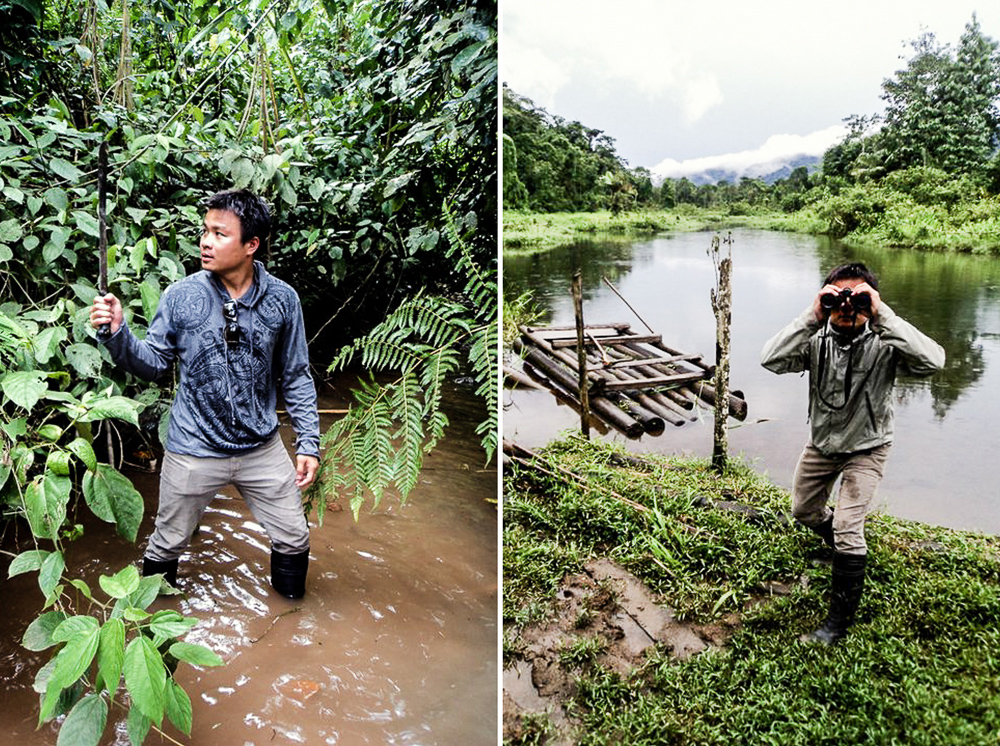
606,617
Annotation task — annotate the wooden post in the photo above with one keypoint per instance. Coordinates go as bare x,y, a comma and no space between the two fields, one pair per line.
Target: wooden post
722,304
581,355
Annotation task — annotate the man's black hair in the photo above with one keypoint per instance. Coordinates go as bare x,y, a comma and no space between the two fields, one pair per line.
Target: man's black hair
253,212
852,271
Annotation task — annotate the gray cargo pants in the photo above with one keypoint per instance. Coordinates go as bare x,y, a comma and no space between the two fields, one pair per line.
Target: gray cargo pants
264,477
815,476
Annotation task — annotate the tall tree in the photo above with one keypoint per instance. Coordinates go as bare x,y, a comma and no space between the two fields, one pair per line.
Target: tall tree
941,110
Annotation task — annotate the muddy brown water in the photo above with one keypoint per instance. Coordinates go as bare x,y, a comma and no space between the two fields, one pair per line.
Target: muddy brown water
395,641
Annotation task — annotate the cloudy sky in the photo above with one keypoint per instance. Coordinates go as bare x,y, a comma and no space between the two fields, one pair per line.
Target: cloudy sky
673,81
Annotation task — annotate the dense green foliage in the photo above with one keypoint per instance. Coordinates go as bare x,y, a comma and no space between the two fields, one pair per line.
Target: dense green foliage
918,667
371,129
924,173
425,341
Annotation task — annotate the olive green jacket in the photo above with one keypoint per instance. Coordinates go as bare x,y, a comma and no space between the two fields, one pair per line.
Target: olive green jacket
851,380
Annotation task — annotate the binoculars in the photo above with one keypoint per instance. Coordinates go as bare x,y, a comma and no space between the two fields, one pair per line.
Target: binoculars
858,301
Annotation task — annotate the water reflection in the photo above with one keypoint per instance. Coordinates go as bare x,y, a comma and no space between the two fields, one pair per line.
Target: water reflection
942,469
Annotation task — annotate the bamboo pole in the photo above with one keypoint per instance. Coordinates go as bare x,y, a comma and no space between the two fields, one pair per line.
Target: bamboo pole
577,289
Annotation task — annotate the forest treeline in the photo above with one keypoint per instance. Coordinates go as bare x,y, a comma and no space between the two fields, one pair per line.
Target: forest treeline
924,172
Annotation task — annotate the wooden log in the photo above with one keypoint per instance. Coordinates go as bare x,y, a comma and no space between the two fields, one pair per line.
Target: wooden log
651,422
682,396
559,332
517,378
599,406
705,391
635,338
636,362
604,379
565,399
653,401
688,361
658,408
737,405
649,383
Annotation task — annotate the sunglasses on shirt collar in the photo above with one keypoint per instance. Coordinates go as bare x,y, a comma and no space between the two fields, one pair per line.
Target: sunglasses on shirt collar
231,329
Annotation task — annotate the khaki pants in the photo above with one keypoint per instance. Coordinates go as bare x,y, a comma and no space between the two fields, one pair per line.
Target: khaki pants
264,477
815,476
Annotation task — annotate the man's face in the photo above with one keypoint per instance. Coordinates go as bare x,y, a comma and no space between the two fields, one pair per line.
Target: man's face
222,249
846,317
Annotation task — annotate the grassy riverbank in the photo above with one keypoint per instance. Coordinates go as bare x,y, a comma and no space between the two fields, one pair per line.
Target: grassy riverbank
860,215
532,231
920,667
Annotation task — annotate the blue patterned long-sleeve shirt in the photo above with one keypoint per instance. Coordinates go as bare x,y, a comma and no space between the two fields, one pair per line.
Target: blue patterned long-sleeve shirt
226,397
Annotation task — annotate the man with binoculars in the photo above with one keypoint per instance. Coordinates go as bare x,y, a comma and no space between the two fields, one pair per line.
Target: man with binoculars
852,344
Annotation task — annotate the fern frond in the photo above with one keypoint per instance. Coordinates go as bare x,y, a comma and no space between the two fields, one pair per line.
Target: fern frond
381,443
483,357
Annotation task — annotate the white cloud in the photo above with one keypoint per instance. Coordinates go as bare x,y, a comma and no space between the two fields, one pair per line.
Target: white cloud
637,45
776,149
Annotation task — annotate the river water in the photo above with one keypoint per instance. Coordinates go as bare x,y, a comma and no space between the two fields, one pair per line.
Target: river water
395,641
944,467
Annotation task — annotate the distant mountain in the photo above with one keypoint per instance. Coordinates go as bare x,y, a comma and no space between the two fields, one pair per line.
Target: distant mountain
768,171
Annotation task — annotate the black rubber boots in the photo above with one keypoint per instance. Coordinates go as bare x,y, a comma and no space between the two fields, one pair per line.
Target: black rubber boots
288,573
167,567
847,585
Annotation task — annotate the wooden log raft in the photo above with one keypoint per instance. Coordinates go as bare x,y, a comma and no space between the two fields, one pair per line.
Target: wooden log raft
636,384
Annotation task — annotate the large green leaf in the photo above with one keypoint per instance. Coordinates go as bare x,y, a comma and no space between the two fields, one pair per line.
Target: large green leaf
122,583
45,500
10,231
146,678
25,387
117,407
178,707
28,561
196,655
112,498
85,359
51,572
169,623
65,169
149,293
111,654
38,636
84,451
47,343
85,723
82,634
137,726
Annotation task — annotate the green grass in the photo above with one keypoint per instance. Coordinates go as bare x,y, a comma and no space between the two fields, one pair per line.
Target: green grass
877,216
529,231
921,666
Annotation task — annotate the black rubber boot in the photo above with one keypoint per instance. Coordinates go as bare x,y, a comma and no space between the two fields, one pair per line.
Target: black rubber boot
825,530
847,585
288,573
168,568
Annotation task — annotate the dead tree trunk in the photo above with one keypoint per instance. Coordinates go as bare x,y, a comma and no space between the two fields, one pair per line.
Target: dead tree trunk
722,304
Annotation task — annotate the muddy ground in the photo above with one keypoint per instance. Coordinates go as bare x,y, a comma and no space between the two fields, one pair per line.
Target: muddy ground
604,616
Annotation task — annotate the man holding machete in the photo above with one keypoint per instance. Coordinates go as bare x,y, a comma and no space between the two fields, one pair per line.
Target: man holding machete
238,335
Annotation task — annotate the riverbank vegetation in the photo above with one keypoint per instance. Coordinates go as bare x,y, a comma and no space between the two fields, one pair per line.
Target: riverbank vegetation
370,128
918,668
924,173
